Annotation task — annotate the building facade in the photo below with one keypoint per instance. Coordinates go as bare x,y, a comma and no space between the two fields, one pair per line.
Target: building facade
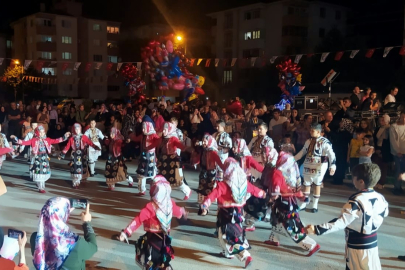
62,37
285,27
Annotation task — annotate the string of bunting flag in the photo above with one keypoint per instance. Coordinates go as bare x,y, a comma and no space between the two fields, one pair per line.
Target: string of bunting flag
244,62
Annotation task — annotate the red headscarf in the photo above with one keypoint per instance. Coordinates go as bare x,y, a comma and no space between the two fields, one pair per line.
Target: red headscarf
171,130
76,125
117,134
211,142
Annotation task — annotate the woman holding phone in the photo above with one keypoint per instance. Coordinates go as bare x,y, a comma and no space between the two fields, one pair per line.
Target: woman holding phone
55,246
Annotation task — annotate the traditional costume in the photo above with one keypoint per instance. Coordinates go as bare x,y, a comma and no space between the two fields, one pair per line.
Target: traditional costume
115,168
284,184
224,143
169,163
28,136
147,163
361,217
153,249
231,194
41,146
94,134
242,154
319,153
262,149
4,144
209,161
79,155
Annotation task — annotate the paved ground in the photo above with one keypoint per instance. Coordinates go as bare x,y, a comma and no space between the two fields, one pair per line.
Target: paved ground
193,241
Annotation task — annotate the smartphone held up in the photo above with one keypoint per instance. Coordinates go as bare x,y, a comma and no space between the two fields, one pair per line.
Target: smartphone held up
78,203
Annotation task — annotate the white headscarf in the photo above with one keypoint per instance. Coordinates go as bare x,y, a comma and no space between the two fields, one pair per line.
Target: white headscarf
160,195
235,178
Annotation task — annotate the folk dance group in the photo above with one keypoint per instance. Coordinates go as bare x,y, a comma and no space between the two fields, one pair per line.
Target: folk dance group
256,183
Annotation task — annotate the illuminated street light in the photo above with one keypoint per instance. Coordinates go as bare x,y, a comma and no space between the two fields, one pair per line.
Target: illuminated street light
179,38
16,62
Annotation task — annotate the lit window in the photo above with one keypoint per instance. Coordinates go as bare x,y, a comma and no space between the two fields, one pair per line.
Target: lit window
9,44
96,27
112,44
66,55
67,40
113,30
45,39
45,55
67,71
227,78
112,59
49,71
248,35
96,42
256,34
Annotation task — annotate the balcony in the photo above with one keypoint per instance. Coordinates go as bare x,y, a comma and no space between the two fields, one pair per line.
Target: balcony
113,37
113,51
46,46
46,30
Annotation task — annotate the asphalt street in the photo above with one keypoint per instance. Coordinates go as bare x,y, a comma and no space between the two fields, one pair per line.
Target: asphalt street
193,241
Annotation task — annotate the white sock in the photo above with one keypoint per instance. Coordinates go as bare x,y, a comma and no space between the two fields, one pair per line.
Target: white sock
92,167
315,201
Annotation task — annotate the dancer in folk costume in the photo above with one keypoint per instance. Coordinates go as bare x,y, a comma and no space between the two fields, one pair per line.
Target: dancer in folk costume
169,163
319,153
262,149
209,161
41,146
180,136
361,218
153,249
242,154
4,144
28,136
79,156
284,184
115,168
224,142
94,134
147,163
231,194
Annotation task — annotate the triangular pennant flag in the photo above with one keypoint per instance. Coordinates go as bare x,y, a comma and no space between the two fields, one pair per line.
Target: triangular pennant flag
297,58
216,62
88,66
353,53
272,59
77,65
339,55
402,51
323,56
40,64
253,61
53,63
119,65
98,65
387,51
370,53
1,61
310,55
199,61
26,78
207,62
109,66
225,62
65,66
27,63
233,61
139,65
192,62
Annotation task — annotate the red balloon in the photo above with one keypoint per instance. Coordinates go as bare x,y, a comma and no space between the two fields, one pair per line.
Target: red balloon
199,91
235,108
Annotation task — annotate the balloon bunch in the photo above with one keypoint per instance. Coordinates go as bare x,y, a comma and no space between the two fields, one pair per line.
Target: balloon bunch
134,83
290,78
167,67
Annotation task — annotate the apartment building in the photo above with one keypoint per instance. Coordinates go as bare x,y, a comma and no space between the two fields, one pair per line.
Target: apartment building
285,27
63,35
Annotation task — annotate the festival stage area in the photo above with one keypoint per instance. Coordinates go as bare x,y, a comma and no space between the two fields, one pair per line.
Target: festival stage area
193,240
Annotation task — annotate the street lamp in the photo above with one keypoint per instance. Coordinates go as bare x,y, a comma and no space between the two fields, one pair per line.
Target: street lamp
17,62
179,39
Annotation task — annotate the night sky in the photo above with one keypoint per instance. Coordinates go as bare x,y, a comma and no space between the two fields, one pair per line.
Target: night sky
179,12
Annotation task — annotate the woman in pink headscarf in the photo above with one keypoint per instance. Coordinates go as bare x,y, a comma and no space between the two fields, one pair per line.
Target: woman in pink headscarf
41,146
153,249
209,161
115,168
232,194
169,163
284,185
79,157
